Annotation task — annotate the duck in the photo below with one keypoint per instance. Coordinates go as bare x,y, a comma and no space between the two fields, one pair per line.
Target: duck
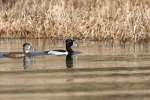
68,51
27,50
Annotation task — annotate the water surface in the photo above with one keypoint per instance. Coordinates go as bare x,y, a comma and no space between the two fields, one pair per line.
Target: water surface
102,71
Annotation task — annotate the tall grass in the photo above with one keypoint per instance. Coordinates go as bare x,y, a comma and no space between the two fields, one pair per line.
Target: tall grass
83,19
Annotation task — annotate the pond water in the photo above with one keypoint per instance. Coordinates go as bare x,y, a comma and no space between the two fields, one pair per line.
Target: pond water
102,71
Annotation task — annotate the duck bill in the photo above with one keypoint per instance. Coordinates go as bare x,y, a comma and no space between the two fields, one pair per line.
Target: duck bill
75,44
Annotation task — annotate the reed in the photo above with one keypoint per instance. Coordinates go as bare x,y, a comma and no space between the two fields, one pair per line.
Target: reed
121,20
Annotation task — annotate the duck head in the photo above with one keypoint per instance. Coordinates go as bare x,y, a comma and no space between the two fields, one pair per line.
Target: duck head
69,44
27,48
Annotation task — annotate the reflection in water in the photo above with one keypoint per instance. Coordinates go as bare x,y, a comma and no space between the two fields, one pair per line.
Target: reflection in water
101,71
69,61
27,62
92,53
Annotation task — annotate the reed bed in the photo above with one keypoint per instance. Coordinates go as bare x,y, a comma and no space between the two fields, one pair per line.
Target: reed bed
122,20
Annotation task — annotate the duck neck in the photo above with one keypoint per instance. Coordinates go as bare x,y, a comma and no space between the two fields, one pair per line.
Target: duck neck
69,50
26,52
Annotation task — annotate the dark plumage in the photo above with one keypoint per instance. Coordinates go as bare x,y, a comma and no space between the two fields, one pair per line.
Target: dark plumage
68,51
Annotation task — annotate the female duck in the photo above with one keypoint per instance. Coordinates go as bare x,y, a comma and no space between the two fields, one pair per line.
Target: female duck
27,49
68,51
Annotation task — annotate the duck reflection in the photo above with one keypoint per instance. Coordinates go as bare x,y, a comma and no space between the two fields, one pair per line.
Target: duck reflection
27,62
69,61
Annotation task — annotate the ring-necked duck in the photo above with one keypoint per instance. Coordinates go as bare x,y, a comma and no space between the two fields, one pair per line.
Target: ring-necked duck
68,51
27,49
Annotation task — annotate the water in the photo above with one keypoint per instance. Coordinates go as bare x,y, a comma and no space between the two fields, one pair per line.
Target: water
102,71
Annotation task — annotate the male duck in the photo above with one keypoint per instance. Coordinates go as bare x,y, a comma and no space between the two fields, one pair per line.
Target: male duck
68,51
27,49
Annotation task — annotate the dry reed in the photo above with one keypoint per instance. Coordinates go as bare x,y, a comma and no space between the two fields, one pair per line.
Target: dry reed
82,19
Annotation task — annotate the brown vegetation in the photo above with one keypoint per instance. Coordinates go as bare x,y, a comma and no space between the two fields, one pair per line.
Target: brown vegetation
83,19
